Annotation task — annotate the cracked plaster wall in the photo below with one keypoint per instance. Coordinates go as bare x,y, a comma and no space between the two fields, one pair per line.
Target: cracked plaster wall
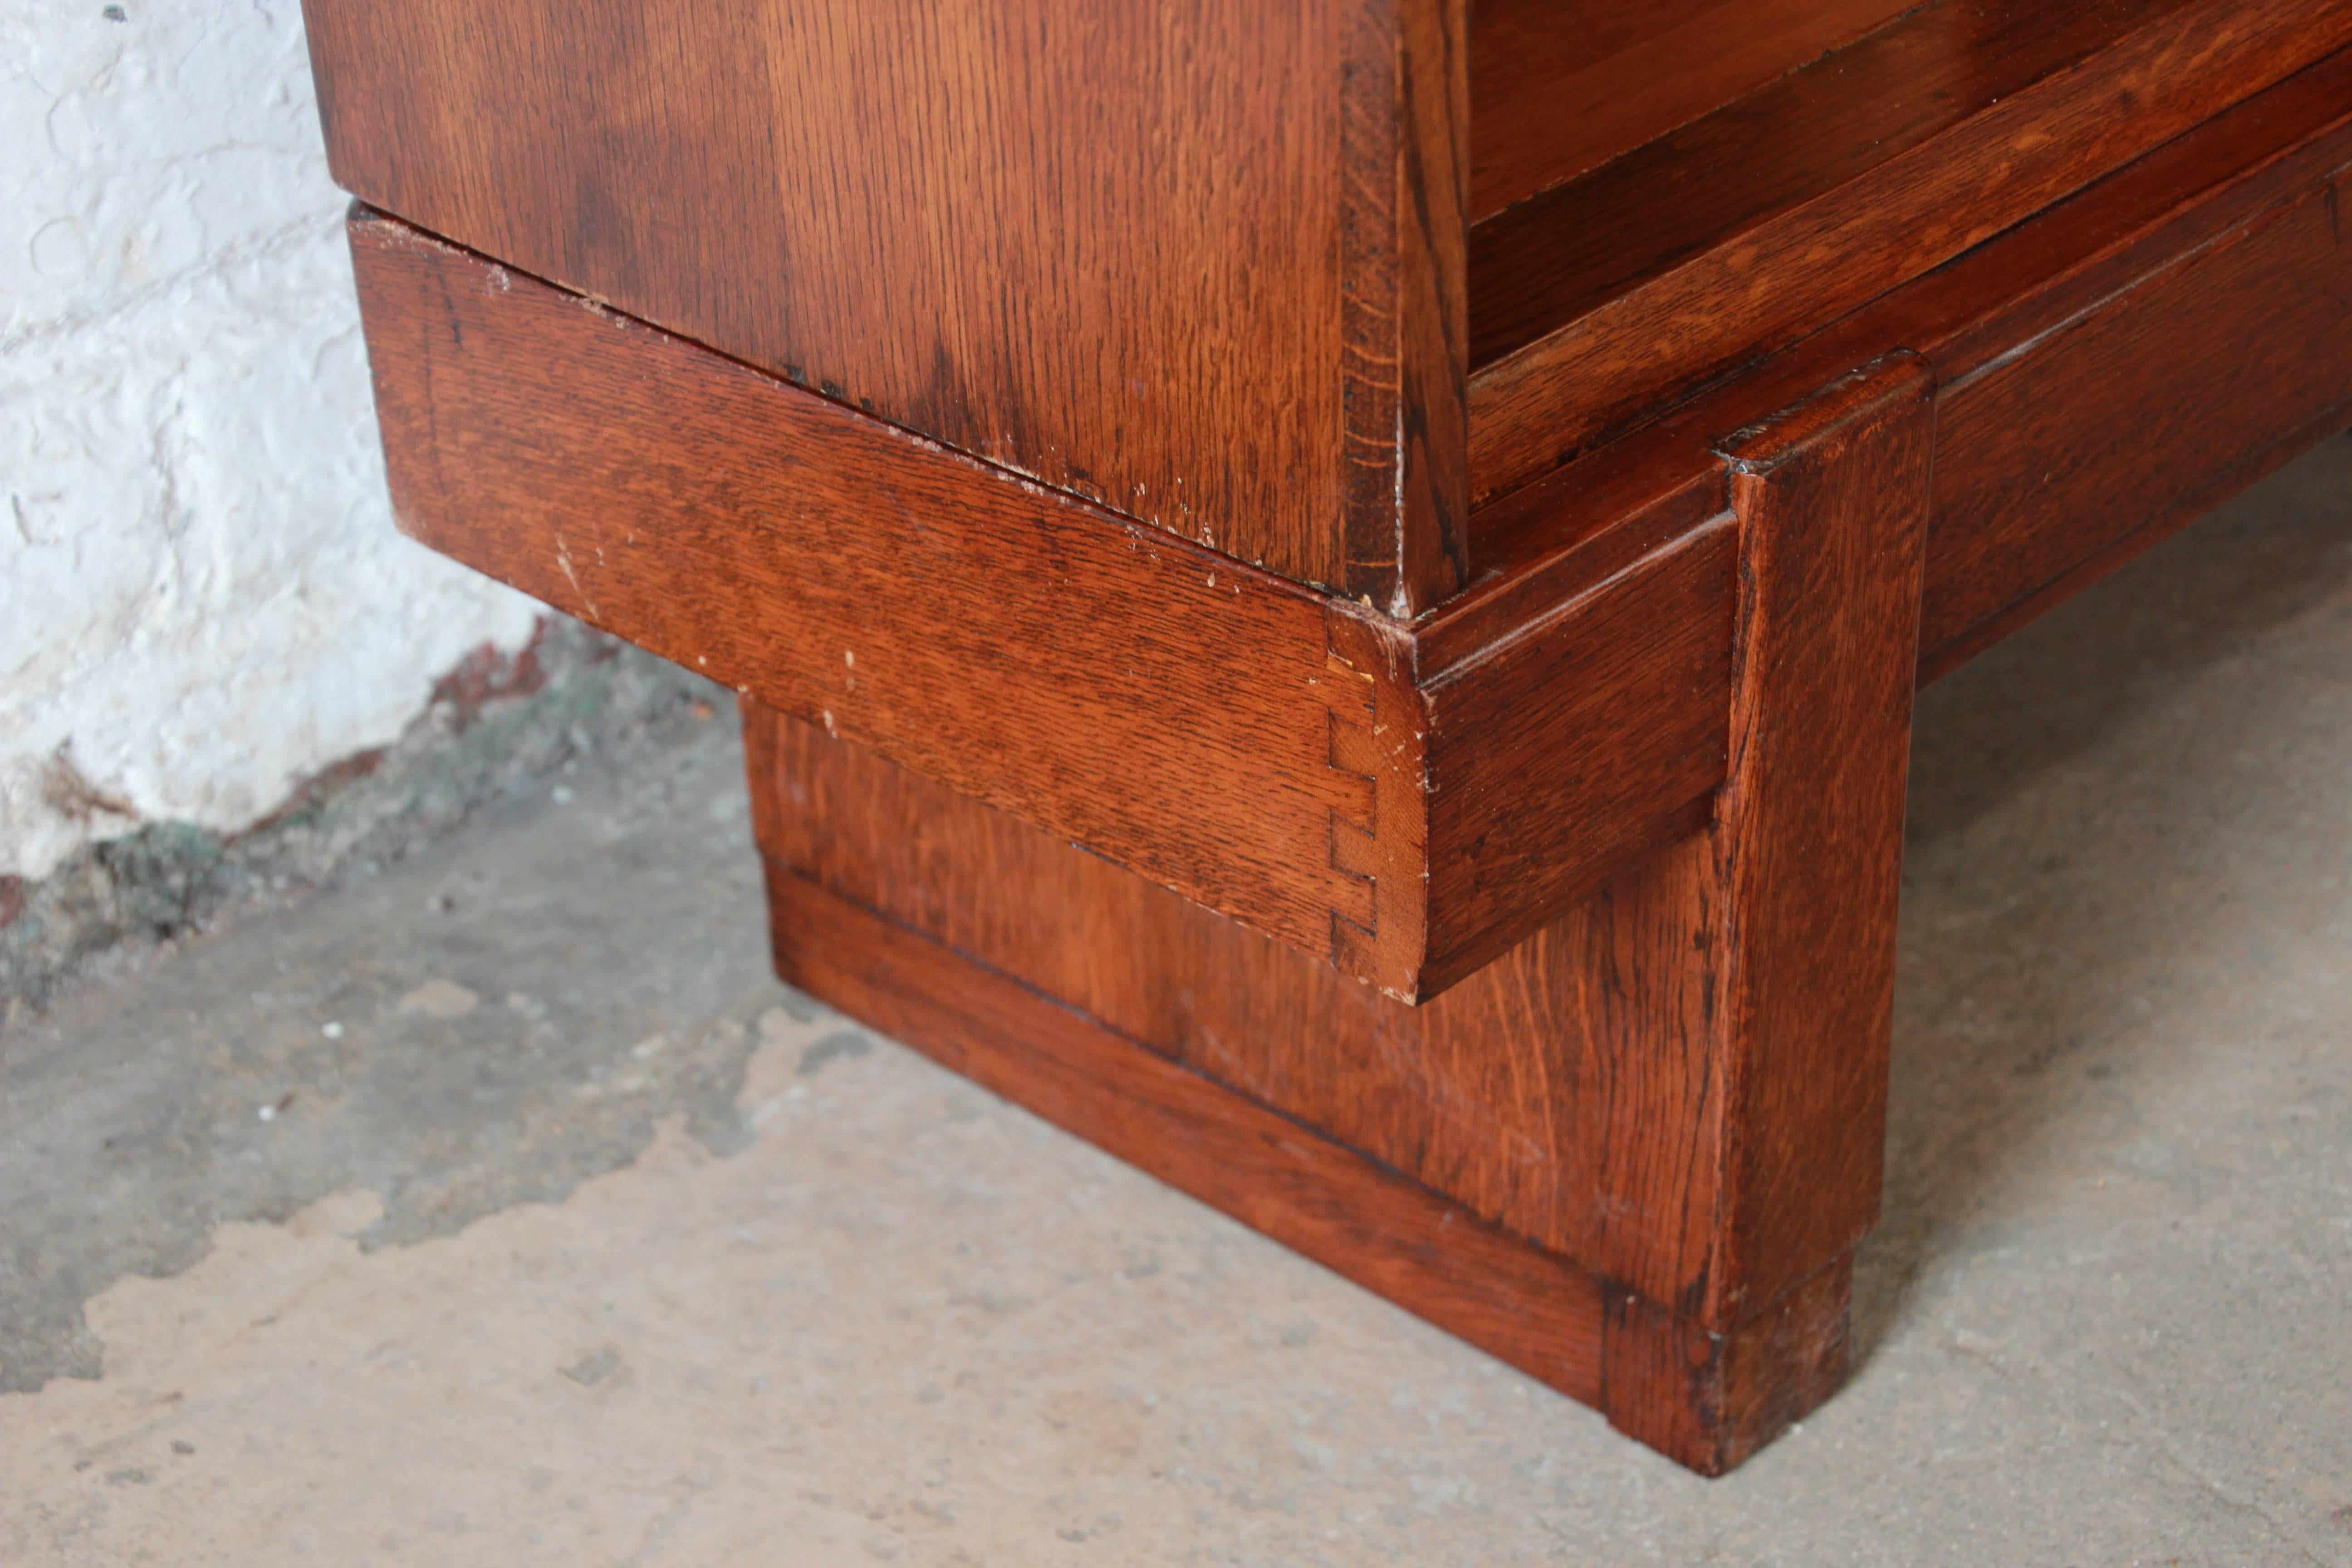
203,599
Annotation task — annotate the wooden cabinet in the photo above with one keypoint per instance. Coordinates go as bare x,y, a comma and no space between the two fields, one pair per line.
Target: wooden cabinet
1328,591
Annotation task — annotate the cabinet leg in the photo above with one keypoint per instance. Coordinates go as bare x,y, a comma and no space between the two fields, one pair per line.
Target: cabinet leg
1631,1157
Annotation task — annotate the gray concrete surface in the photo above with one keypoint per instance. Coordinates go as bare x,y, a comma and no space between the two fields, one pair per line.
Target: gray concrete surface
498,724
501,1209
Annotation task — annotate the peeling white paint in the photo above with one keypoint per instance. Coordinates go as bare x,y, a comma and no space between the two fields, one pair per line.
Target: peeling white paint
201,590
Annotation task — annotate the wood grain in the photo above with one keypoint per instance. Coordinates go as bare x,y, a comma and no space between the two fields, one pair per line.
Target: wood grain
868,580
1210,725
1563,1093
1500,1093
1557,89
1585,740
1100,245
1753,963
1533,1309
1712,1399
1623,817
1826,189
1673,1096
1405,155
1705,1398
2146,233
2178,394
1832,501
1534,736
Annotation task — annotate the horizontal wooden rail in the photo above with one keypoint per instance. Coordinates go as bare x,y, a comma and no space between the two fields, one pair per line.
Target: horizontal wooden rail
1253,745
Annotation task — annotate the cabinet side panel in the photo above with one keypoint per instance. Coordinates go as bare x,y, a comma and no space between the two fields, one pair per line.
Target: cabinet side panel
1097,244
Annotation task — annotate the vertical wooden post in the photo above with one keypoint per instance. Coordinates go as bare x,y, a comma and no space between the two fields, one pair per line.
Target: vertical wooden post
1406,318
1755,987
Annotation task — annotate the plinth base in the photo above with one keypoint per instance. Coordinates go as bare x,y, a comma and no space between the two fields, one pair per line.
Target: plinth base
846,833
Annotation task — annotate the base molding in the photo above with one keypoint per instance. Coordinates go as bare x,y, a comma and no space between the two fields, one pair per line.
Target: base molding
1707,1400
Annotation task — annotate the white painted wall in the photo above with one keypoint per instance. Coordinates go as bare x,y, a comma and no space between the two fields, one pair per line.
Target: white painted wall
201,592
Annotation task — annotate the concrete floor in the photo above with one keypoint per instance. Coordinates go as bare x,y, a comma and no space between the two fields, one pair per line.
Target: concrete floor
501,1209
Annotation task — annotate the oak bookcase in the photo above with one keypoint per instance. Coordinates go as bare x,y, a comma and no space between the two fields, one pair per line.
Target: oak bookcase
1328,591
